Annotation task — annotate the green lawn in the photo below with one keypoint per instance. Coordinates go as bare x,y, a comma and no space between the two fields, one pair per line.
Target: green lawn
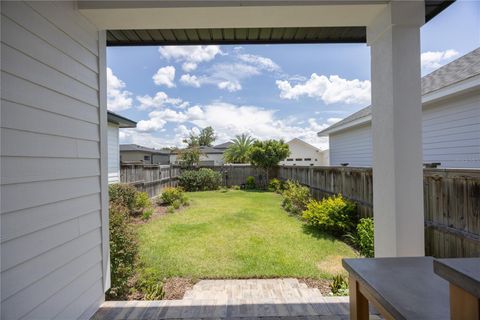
237,234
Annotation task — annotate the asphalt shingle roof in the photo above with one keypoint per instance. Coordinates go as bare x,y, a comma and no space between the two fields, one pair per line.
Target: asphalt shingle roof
458,70
136,147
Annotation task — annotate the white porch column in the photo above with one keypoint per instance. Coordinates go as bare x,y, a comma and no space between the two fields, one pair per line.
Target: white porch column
394,37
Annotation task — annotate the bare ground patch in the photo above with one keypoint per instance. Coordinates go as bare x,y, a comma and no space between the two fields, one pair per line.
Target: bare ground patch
321,284
176,287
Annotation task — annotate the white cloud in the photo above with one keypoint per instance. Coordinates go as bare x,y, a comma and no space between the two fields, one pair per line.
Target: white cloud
229,120
190,80
259,61
117,98
191,56
165,76
432,60
231,86
330,90
160,100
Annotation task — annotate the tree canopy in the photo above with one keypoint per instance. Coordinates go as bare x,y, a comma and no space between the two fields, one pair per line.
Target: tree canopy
267,154
238,151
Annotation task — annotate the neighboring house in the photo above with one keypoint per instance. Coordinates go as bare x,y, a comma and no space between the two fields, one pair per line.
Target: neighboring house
210,156
304,154
136,153
115,122
451,120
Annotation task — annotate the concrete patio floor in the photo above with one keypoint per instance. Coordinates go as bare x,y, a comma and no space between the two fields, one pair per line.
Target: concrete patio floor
235,299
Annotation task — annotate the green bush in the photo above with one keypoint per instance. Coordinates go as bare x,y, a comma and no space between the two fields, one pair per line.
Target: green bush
149,284
295,197
123,194
147,213
142,202
364,237
170,195
123,251
334,214
250,183
339,286
275,185
176,204
200,180
170,209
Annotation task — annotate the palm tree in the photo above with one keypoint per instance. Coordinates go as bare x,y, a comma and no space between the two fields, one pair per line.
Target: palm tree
238,151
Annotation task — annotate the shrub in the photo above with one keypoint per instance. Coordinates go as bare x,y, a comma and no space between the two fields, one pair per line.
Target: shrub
142,202
200,180
123,251
170,209
295,197
334,214
364,237
147,213
170,195
250,183
339,286
149,284
275,185
122,194
176,204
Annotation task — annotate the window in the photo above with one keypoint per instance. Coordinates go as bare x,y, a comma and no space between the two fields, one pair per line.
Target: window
298,159
146,158
290,159
308,159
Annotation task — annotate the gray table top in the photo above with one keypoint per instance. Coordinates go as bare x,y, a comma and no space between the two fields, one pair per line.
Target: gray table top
406,287
463,272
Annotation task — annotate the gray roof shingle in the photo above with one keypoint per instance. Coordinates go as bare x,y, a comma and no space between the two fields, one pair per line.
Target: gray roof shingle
136,147
458,70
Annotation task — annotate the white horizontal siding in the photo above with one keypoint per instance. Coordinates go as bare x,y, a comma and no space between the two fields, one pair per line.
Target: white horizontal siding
451,132
113,154
353,147
451,136
51,235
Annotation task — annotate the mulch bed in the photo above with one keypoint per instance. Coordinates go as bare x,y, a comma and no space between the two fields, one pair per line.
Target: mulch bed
176,287
321,284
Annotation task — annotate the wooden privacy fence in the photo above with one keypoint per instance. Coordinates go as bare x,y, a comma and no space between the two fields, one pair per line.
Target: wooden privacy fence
149,178
451,202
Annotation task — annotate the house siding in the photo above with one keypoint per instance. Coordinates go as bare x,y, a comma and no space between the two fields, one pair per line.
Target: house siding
113,154
353,147
451,136
303,151
51,236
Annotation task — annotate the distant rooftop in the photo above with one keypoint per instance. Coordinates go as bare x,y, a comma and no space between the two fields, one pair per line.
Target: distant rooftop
136,147
463,68
121,121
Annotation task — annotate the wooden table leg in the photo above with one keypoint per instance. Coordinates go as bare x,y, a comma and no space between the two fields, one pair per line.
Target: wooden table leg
358,302
463,305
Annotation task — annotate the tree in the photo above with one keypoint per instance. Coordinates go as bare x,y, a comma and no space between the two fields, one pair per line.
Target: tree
267,154
238,152
206,137
189,156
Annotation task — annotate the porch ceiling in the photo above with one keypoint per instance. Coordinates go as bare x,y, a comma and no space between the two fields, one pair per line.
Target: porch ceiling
237,22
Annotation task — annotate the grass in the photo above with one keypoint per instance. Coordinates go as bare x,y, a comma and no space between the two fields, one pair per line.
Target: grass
237,234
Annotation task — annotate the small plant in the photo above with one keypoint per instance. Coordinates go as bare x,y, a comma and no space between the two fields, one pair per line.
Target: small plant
200,180
364,237
123,251
235,187
170,195
177,204
339,286
122,194
275,185
335,215
250,183
149,284
142,202
147,213
170,209
295,197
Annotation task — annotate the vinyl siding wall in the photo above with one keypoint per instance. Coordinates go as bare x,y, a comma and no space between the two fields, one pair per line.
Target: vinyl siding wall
299,150
451,136
113,154
51,237
353,146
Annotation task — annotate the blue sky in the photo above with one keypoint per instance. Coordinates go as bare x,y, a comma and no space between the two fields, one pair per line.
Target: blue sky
268,91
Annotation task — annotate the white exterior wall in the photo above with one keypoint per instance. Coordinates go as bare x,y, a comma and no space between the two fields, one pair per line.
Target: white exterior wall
302,154
352,146
113,154
451,132
51,235
216,158
451,136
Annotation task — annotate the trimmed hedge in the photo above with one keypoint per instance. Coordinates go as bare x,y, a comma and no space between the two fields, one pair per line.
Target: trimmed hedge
200,180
